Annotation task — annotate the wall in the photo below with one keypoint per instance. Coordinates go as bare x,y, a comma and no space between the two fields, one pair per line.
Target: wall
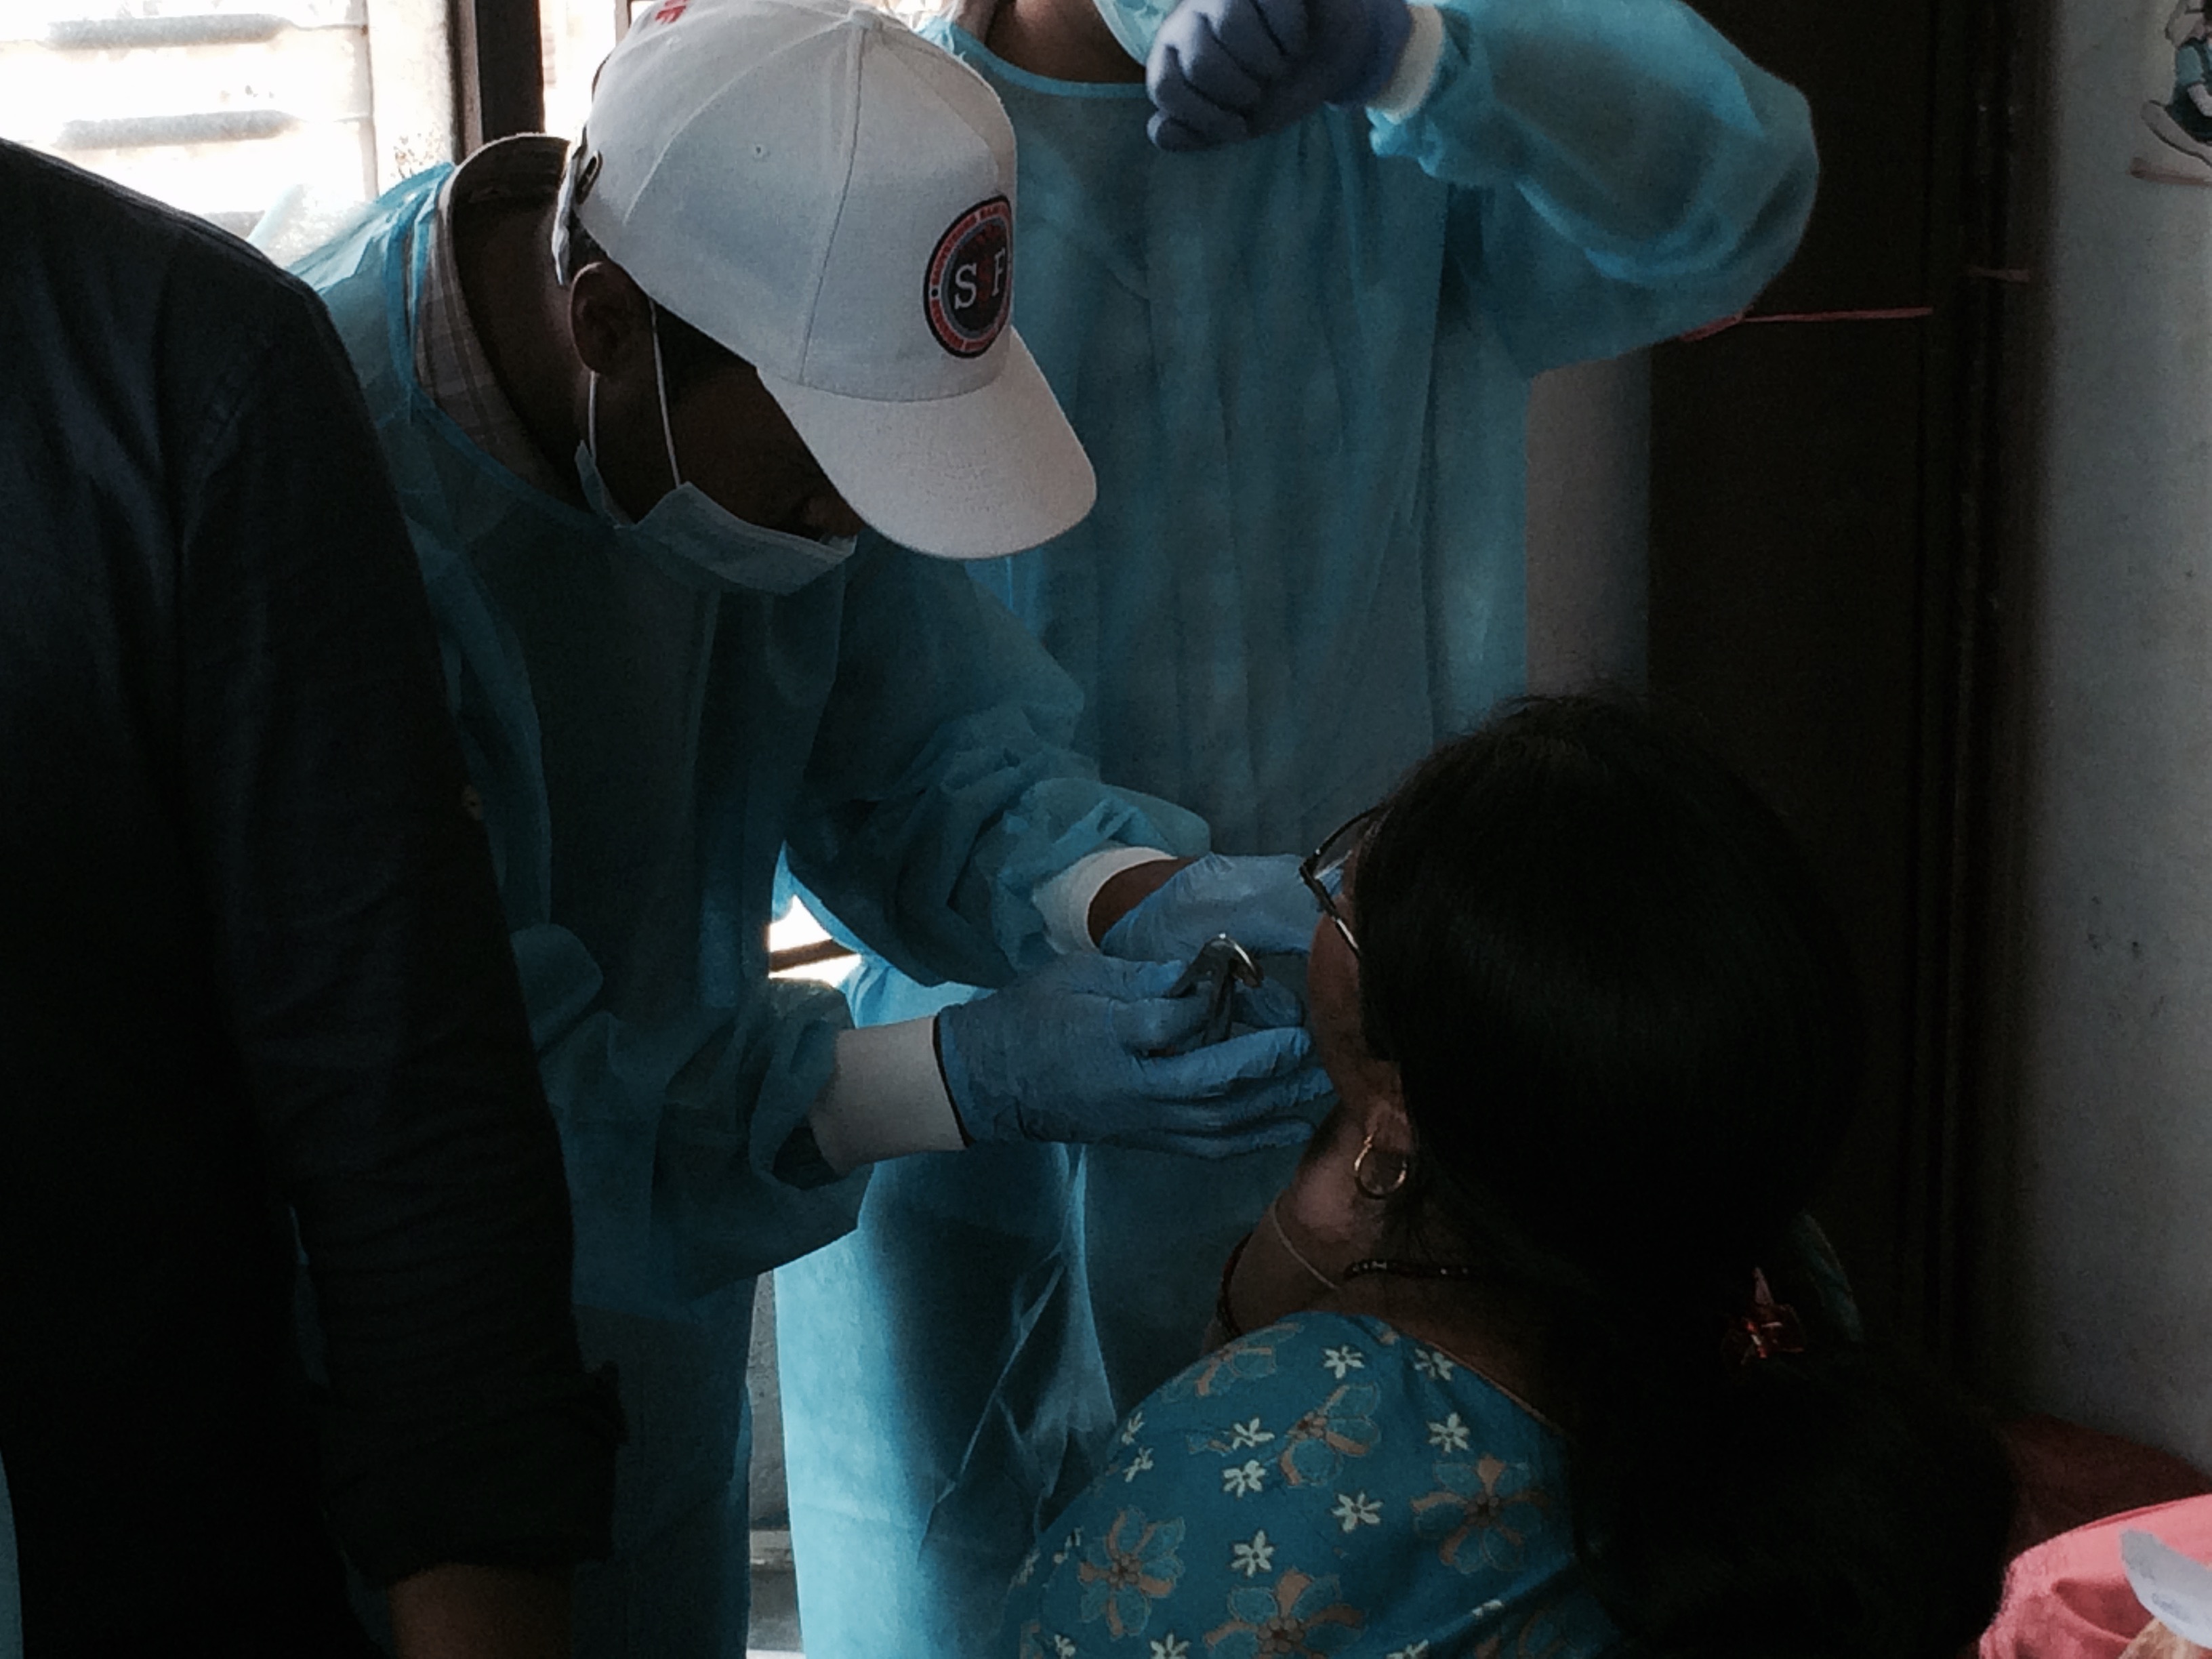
2106,1258
1590,507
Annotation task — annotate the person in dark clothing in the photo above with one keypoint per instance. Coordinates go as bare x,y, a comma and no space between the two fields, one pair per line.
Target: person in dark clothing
255,1001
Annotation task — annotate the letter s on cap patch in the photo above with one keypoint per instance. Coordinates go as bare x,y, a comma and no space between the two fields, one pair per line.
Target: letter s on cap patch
970,284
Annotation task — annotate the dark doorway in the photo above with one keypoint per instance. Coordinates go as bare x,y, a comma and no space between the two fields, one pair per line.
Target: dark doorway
1821,583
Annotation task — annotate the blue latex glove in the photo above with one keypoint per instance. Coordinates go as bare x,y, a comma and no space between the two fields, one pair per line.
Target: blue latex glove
1079,1051
1259,901
1222,70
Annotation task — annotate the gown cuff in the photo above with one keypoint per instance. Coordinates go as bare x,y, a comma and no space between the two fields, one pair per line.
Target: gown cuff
1408,86
886,1098
1064,902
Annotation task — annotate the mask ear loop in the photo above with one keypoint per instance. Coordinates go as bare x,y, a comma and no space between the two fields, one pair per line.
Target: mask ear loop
660,391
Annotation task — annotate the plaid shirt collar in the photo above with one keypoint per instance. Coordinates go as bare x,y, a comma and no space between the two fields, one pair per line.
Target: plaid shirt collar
449,358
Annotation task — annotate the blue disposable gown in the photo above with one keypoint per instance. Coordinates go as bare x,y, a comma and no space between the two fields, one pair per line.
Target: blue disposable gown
646,741
1300,365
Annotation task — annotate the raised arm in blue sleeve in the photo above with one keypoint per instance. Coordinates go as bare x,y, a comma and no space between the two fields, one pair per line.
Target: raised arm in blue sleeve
942,790
1621,172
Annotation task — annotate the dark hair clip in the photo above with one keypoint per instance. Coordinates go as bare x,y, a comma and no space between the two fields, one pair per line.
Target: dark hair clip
1764,1329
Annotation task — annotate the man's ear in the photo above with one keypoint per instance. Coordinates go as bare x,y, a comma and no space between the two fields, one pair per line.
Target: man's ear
611,319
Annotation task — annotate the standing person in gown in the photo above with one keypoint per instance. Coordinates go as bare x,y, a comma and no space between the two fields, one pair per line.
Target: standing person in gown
1294,329
640,395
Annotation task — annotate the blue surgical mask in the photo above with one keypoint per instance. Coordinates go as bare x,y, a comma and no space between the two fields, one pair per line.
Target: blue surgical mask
1136,23
687,529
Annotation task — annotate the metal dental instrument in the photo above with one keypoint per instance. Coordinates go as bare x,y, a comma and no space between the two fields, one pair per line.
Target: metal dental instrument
1220,966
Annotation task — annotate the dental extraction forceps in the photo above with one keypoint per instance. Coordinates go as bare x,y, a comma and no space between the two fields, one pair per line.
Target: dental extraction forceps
1220,966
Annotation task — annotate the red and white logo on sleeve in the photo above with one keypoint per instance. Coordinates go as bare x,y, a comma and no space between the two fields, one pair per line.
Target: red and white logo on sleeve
968,290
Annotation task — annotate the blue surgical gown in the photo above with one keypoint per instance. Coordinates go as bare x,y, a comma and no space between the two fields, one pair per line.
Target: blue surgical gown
1301,366
646,741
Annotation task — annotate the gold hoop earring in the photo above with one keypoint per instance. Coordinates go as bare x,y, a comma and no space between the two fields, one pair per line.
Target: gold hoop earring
1359,1173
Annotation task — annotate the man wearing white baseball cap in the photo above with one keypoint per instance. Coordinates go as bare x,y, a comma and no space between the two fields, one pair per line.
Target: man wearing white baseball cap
640,397
818,191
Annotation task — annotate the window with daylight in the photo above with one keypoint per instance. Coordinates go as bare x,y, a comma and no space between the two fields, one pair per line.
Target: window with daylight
276,118
249,113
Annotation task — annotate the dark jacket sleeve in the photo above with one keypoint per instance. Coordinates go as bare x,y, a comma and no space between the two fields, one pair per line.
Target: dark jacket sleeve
370,983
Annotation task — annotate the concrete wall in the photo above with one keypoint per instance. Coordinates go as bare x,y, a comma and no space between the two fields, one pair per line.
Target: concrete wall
1590,508
2106,1264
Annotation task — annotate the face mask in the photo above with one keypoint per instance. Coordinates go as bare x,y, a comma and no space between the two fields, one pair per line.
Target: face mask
1136,23
690,529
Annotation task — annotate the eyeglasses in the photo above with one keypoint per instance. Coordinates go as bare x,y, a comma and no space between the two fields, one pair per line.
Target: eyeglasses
1323,868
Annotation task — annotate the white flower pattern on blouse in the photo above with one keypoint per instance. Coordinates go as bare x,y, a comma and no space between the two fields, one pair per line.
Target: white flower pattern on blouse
1338,1362
1431,1363
1450,1434
1253,1557
1356,1510
1240,1479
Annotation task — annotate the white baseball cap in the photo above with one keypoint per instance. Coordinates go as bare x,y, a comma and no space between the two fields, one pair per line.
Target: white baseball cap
814,187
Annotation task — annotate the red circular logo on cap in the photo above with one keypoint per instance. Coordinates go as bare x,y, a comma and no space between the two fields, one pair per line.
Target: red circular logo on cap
970,282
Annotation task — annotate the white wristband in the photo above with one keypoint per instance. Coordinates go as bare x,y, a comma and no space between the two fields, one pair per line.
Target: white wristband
884,1099
1409,83
1065,901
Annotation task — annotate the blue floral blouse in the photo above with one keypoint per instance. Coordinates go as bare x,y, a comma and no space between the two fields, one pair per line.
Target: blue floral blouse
1326,1488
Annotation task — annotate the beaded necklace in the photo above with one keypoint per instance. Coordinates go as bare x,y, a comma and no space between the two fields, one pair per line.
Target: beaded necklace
1396,1269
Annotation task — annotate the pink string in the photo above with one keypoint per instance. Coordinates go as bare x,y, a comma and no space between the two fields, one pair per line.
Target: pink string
1892,314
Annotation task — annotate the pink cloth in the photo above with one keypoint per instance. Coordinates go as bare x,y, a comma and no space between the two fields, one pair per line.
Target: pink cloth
2069,1598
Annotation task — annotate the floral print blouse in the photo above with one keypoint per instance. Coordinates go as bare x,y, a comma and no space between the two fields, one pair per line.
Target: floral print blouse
1326,1488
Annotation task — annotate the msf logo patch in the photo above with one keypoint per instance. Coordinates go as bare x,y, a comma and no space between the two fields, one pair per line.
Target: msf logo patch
970,282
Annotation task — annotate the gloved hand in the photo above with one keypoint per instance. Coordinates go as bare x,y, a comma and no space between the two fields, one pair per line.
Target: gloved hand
1259,901
1079,1051
1221,70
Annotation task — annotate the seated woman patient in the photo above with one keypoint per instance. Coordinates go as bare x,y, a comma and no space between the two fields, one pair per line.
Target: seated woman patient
1524,1362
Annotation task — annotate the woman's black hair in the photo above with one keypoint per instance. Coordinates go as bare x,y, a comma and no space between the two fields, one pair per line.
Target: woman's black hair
1629,1035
